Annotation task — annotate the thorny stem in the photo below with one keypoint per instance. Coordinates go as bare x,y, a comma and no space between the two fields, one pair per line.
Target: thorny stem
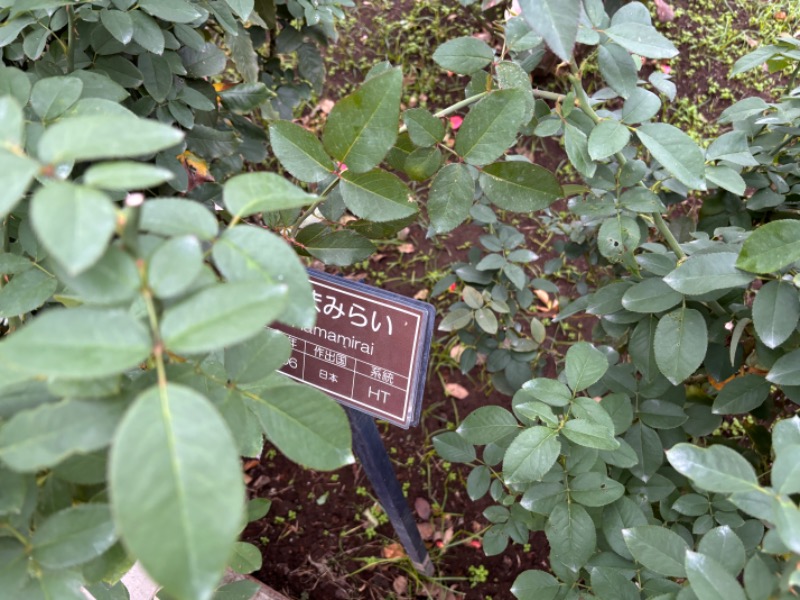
453,108
70,39
310,210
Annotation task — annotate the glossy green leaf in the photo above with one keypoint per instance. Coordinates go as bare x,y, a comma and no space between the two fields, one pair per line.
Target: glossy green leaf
362,127
716,469
487,424
51,97
454,448
257,357
724,546
640,106
74,223
617,68
244,97
181,514
90,138
520,186
12,122
741,395
677,152
576,143
572,534
242,8
174,11
771,247
490,127
463,55
610,583
556,21
589,434
786,469
13,564
478,482
648,448
41,438
377,196
424,129
726,178
156,75
595,489
703,273
657,548
125,175
641,199
176,216
77,343
531,455
662,414
113,280
305,424
251,193
535,585
786,370
585,365
617,517
246,558
174,265
74,536
339,248
25,292
299,151
680,343
786,517
450,197
710,580
776,311
16,174
608,138
222,315
549,391
650,296
759,580
641,39
617,237
119,24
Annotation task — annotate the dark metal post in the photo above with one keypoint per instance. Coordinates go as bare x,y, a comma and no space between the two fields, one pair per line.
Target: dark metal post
371,453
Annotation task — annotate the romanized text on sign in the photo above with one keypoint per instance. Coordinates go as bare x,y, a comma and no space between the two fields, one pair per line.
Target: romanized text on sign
368,349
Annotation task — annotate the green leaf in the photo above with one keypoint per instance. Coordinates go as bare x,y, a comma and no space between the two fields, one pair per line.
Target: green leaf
51,97
641,199
657,548
680,343
741,395
174,11
156,74
90,138
305,424
203,63
572,534
771,247
299,151
16,174
174,265
785,470
175,216
377,196
576,143
125,175
520,186
113,280
487,424
362,127
617,517
724,546
450,198
641,39
727,179
246,558
257,357
77,343
190,493
610,583
648,448
222,315
595,489
703,273
716,469
339,248
41,438
786,517
13,564
531,455
478,482
650,296
662,414
119,24
490,127
247,253
12,122
590,435
549,391
243,589
640,106
535,585
243,8
74,536
454,448
486,320
424,129
759,580
251,193
243,53
25,292
585,365
617,237
710,580
776,311
556,21
617,68
244,97
608,138
74,223
676,151
463,55
786,370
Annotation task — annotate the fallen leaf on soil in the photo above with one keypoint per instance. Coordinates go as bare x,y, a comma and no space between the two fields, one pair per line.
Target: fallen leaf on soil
405,248
664,11
402,235
448,535
423,508
456,390
426,530
251,464
400,585
394,550
422,295
326,105
456,352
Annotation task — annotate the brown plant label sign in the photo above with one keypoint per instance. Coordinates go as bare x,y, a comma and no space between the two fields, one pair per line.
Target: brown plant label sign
368,349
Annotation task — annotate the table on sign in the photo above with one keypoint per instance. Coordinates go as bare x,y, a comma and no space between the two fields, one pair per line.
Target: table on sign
350,378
